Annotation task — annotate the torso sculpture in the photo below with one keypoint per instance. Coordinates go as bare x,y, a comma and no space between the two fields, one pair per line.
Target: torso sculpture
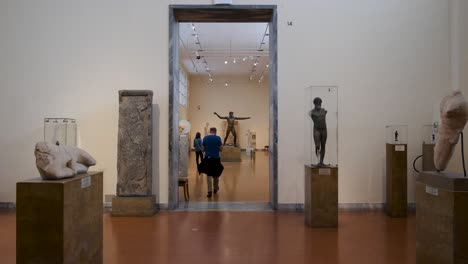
453,115
57,162
230,125
318,115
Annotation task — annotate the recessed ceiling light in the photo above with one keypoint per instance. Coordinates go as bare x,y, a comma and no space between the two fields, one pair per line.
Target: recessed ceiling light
234,60
226,84
225,62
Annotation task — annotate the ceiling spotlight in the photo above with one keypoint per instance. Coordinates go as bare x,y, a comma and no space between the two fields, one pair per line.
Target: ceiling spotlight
255,63
226,84
211,79
251,77
268,65
225,62
234,60
243,59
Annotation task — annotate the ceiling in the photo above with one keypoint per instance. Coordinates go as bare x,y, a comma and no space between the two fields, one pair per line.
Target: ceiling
221,49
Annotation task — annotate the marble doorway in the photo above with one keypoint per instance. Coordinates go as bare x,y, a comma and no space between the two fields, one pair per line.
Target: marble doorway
222,13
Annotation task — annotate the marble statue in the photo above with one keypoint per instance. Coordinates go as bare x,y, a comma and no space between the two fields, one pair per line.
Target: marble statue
58,162
230,125
207,129
453,116
318,115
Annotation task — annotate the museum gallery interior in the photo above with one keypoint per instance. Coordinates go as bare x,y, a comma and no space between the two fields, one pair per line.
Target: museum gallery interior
233,131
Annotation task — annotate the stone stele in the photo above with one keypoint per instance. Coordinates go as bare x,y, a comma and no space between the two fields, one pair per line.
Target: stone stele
134,143
58,162
453,116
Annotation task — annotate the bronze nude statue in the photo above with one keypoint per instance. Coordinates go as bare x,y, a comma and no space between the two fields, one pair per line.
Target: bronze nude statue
318,115
230,125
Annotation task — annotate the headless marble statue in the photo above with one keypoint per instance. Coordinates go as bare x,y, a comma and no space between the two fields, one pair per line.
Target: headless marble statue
57,162
318,115
453,116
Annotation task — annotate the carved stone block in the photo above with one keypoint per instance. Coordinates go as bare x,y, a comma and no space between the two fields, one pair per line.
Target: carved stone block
134,172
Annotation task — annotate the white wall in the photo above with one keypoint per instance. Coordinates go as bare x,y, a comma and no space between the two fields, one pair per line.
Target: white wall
390,59
245,98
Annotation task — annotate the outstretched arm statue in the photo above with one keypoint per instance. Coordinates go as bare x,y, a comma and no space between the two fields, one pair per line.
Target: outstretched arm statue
220,117
230,125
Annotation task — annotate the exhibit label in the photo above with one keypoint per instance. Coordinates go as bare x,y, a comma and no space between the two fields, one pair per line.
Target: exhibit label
400,148
432,191
85,182
324,171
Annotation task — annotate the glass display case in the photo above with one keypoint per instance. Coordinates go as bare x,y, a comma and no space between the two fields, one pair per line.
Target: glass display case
321,126
429,133
396,134
60,131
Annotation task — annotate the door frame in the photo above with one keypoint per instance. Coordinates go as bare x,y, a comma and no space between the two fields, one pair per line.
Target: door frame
221,13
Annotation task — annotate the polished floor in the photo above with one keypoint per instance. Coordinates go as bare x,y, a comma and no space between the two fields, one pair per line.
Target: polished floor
245,238
245,181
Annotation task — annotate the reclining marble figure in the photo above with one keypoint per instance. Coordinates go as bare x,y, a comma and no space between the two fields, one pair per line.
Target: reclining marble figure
57,162
453,116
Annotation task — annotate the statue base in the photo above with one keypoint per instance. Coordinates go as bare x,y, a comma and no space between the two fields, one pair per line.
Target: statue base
60,221
441,218
321,196
231,154
134,206
397,201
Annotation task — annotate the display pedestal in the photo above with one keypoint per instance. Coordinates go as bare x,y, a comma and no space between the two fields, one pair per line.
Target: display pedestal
60,221
428,157
397,201
321,196
134,206
441,218
231,154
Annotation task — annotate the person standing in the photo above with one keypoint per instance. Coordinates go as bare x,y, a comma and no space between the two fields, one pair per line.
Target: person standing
197,144
211,164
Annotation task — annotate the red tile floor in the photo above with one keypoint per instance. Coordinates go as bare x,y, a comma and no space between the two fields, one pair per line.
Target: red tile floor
245,237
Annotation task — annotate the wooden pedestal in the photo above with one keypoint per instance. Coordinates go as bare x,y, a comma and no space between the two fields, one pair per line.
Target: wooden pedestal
397,201
60,221
321,196
428,157
441,218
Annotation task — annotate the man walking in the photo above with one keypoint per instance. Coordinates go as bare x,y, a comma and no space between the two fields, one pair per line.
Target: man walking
211,164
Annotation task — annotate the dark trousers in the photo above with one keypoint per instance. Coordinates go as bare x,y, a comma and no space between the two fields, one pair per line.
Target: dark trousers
198,158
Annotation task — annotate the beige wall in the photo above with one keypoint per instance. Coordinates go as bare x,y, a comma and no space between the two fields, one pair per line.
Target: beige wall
390,59
245,98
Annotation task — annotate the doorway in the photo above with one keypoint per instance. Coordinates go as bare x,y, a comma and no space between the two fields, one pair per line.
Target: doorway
202,14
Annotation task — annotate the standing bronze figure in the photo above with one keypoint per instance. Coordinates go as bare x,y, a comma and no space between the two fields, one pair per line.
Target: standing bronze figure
230,125
318,115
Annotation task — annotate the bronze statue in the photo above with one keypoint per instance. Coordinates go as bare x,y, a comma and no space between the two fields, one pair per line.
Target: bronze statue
230,125
318,115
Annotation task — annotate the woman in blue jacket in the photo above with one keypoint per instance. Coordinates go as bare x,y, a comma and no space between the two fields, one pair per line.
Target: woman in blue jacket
197,144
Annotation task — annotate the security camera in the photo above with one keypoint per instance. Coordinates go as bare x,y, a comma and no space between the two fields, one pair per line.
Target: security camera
198,57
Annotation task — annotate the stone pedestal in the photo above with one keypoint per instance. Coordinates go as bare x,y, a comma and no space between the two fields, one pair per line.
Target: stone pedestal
231,154
441,218
60,221
134,206
428,157
397,201
321,196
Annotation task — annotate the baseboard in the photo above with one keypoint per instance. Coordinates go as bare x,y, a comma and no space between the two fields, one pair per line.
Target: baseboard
7,205
239,206
345,207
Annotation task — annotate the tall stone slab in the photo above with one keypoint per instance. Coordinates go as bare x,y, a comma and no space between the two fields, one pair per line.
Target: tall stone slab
134,172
